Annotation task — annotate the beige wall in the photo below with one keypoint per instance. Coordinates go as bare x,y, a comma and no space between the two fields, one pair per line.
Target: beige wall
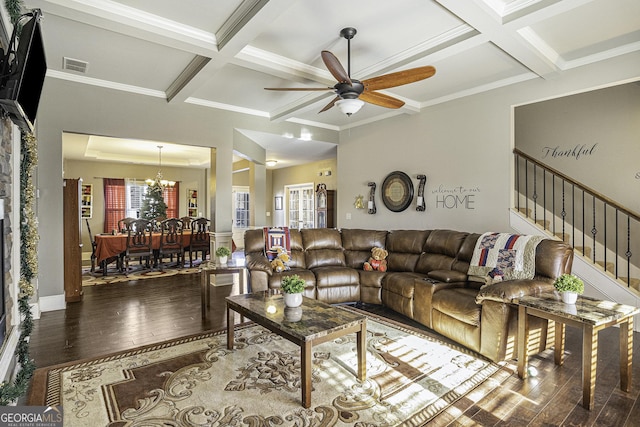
587,136
303,174
464,147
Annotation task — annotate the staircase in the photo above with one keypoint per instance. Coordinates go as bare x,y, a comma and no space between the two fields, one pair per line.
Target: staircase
605,235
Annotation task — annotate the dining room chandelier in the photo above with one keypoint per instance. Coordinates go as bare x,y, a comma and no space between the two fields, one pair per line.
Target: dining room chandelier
159,181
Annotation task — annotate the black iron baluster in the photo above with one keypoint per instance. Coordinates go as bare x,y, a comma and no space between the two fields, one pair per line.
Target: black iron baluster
594,230
526,187
628,254
564,211
584,242
616,242
604,206
534,197
518,183
573,215
553,202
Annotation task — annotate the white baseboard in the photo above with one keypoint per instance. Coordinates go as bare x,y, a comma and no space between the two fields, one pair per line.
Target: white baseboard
52,303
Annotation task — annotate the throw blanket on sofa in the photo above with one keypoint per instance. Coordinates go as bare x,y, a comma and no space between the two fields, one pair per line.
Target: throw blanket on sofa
504,256
275,238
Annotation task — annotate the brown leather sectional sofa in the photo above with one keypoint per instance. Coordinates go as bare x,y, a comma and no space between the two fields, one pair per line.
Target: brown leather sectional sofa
426,281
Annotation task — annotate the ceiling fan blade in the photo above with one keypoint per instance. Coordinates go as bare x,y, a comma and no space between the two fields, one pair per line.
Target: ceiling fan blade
298,88
381,99
335,67
329,105
398,78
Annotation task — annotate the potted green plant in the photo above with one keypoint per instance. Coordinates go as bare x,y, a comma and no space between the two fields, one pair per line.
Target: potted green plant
223,253
292,288
569,286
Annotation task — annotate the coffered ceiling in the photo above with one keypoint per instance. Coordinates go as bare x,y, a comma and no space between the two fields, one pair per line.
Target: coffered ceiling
222,54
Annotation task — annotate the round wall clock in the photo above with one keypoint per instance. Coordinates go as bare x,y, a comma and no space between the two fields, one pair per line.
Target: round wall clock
397,191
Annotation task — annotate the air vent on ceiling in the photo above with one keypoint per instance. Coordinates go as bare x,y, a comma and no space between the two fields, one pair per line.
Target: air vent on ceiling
74,65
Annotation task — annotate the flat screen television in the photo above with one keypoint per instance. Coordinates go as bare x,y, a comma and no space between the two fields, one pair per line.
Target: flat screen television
23,71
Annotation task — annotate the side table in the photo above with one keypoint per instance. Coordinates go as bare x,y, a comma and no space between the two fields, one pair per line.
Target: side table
590,315
208,268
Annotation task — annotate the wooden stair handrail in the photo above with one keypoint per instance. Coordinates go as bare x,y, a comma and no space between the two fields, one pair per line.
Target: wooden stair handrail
591,191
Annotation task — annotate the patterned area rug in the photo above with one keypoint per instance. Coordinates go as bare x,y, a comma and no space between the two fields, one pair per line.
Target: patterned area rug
412,378
113,276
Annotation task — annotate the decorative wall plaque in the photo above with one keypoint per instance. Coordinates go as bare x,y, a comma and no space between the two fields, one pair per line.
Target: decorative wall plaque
397,191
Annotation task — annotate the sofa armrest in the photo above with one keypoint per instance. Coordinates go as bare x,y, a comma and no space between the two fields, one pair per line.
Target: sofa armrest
509,290
259,263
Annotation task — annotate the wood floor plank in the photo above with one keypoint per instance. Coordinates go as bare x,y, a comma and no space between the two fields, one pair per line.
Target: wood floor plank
121,316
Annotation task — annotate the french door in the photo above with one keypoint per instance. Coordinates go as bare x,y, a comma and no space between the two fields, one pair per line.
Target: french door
301,206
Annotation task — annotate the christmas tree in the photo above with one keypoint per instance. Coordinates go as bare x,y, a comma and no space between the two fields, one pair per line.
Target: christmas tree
153,205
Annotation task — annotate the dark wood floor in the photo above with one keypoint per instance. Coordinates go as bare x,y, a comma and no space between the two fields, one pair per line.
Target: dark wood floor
122,316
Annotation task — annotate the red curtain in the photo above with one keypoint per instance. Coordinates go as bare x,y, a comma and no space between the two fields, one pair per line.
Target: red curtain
170,196
115,202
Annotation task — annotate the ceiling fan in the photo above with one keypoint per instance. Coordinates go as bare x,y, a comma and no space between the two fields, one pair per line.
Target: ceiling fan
350,93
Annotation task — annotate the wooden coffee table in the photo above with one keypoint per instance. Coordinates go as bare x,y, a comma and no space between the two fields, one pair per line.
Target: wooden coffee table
590,315
319,322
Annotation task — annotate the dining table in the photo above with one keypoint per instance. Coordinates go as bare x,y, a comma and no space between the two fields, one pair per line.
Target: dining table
109,245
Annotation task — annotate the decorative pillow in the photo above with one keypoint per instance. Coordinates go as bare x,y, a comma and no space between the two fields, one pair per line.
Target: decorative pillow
276,238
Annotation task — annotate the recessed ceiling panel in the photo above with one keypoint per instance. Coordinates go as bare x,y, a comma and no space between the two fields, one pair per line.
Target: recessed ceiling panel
483,65
383,30
136,151
111,56
604,25
205,15
250,93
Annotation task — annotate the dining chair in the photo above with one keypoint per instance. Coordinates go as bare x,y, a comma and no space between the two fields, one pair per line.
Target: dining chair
104,263
139,243
93,247
186,222
123,224
200,239
171,231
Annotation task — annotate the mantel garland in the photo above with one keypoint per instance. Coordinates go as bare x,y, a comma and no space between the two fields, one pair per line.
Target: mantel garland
10,392
14,8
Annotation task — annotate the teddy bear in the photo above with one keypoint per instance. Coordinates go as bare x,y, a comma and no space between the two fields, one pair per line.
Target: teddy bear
377,260
281,261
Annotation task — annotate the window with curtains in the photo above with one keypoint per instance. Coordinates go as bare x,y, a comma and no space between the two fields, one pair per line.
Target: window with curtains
115,203
170,196
123,198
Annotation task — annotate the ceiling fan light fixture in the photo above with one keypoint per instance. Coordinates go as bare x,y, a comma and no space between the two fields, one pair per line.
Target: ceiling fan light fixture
349,106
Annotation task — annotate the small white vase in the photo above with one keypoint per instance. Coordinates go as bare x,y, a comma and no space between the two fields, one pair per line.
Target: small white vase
569,297
222,259
292,300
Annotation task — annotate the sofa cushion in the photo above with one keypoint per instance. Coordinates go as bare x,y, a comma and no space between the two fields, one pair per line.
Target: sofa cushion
445,242
405,247
401,283
458,303
337,284
321,238
357,245
323,247
325,258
